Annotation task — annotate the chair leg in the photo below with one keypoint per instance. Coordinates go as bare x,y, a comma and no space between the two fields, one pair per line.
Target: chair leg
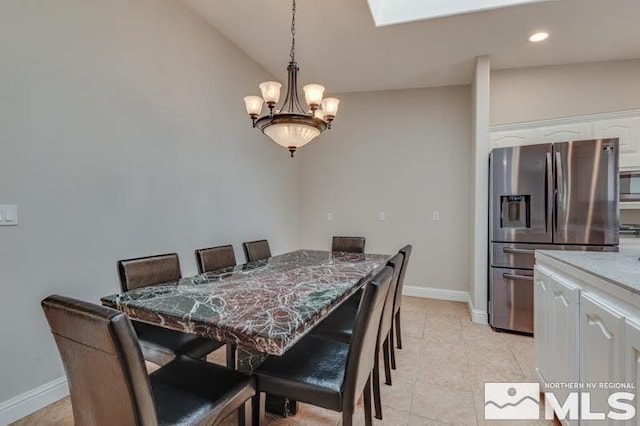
392,347
231,356
398,333
387,361
377,403
258,406
245,415
368,420
347,418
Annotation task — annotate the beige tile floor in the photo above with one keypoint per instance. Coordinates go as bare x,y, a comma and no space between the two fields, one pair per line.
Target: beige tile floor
440,377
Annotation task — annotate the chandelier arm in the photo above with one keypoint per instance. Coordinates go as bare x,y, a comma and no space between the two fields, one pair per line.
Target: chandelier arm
295,99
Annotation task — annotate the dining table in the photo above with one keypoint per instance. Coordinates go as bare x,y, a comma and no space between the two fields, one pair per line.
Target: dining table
260,308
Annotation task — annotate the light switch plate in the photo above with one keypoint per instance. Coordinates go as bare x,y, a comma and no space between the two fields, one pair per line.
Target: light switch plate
382,216
8,214
329,216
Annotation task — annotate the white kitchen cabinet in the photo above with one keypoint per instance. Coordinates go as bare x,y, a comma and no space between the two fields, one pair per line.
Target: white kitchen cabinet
517,137
541,322
588,332
628,131
624,125
632,362
563,132
563,317
601,350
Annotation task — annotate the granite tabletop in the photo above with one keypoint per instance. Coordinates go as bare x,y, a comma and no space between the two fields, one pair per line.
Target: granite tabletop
264,306
621,269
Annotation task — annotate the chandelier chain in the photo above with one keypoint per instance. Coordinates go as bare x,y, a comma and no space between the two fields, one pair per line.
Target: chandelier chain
292,54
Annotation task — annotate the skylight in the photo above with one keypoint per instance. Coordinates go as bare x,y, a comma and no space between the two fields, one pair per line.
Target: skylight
389,12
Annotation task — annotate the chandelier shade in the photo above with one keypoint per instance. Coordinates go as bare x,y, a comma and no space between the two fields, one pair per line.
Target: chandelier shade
270,91
254,105
291,135
289,123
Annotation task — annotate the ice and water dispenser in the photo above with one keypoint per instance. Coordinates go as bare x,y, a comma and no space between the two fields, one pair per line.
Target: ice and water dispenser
515,211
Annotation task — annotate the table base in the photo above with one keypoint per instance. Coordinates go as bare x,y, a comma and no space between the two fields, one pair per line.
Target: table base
247,361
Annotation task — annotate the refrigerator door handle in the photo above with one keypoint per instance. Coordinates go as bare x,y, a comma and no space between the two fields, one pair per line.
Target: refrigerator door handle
514,277
559,193
549,192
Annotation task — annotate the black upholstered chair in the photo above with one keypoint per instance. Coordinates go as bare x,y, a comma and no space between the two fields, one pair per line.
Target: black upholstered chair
161,345
214,258
256,250
340,325
348,244
108,381
328,373
397,302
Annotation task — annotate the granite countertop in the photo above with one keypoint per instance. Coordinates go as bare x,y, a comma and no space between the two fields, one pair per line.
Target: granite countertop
630,245
621,269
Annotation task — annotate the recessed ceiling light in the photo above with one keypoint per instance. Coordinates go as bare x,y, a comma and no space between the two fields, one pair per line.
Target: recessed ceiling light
534,38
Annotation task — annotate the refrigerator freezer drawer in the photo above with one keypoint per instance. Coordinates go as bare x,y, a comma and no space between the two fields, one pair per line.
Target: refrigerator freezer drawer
511,299
516,256
521,256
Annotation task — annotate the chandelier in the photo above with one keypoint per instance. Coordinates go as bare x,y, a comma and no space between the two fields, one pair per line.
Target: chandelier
289,124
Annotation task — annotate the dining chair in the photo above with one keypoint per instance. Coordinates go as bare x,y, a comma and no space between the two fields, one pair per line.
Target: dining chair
348,244
256,250
108,381
214,258
340,326
161,345
328,373
397,303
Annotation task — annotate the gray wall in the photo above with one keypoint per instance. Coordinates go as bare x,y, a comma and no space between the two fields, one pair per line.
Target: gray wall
530,94
123,133
406,153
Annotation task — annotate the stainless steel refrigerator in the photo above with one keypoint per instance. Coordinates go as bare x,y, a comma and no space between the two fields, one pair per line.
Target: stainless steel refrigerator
560,196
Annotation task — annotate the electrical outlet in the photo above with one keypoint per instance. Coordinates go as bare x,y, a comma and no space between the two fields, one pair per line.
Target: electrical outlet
382,216
8,215
436,216
329,216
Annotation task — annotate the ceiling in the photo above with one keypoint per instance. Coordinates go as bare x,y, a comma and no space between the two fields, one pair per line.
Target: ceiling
339,46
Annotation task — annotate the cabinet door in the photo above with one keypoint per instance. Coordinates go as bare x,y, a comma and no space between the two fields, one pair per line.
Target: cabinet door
628,131
519,137
563,319
601,351
541,323
632,367
563,133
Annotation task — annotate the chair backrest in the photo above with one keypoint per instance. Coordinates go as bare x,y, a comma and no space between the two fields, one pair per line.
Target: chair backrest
387,313
256,250
150,270
406,251
362,350
348,244
214,258
108,381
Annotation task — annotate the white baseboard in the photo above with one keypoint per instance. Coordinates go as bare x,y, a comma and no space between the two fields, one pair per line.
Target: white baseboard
478,316
33,400
436,293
